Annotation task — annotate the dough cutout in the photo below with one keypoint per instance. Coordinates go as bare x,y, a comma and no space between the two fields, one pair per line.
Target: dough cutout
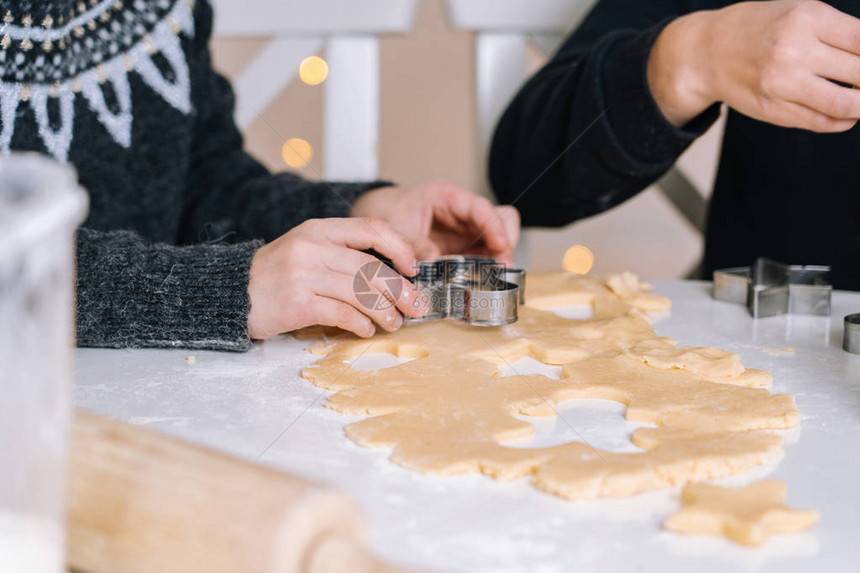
745,515
450,411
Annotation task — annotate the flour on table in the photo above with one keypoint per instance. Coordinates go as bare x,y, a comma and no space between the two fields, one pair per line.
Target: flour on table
787,351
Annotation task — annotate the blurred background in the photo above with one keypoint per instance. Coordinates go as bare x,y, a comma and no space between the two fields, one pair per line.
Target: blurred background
408,90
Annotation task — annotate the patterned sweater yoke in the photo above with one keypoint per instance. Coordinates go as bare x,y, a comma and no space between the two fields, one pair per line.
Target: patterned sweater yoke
124,90
59,50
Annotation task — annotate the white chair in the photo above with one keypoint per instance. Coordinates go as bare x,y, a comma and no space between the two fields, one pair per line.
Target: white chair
297,29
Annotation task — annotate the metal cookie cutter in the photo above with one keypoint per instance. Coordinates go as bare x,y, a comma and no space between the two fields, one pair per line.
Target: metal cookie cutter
474,289
851,334
769,288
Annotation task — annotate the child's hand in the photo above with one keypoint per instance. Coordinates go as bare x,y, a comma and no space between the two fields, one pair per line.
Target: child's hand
307,277
440,218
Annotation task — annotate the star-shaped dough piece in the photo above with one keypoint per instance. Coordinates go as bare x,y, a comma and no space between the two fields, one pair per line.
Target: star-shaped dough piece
746,515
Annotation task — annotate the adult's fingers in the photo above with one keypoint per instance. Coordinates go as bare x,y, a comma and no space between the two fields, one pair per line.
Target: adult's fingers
360,269
802,117
828,99
834,64
331,312
838,29
362,233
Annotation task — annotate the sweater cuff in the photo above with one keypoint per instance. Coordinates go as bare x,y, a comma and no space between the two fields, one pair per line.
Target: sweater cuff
134,294
639,126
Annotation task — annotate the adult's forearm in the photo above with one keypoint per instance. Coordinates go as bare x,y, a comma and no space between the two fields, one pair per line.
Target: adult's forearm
677,68
585,133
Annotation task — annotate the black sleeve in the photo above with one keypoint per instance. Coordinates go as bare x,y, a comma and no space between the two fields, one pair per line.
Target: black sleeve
585,134
229,193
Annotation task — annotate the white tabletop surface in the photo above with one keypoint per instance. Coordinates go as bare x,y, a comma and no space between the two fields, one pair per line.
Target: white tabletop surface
256,406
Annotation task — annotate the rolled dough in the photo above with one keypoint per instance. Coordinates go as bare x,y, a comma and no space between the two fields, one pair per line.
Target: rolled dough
450,411
745,515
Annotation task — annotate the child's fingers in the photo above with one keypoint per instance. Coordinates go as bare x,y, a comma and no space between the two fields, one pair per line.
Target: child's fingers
360,267
363,295
510,217
478,215
425,249
331,312
367,233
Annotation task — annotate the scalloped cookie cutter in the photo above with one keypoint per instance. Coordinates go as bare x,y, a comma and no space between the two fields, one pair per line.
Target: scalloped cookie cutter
473,289
769,288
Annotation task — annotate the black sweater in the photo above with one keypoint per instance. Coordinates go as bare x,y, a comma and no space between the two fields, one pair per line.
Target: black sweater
787,194
125,92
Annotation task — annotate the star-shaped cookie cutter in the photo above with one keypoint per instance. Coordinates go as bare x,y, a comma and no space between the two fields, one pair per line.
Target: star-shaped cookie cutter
769,288
473,289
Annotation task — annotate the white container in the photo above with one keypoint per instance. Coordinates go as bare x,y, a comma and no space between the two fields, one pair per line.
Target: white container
41,204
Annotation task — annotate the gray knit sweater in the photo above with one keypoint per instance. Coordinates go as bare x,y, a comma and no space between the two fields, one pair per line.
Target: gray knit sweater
124,90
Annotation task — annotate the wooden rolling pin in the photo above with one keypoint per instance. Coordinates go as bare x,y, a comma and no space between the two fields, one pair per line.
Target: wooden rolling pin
140,502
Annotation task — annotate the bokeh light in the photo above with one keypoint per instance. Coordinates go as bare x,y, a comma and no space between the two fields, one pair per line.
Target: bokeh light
578,259
297,152
313,70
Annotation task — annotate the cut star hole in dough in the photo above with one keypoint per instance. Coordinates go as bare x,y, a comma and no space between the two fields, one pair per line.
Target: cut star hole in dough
745,515
450,411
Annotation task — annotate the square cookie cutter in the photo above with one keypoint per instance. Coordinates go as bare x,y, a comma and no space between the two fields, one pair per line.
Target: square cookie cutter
473,289
769,288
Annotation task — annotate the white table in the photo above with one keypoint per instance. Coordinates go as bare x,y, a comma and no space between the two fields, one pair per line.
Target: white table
244,403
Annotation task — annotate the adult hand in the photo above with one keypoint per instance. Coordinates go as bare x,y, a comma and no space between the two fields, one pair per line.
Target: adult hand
440,218
772,61
306,277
